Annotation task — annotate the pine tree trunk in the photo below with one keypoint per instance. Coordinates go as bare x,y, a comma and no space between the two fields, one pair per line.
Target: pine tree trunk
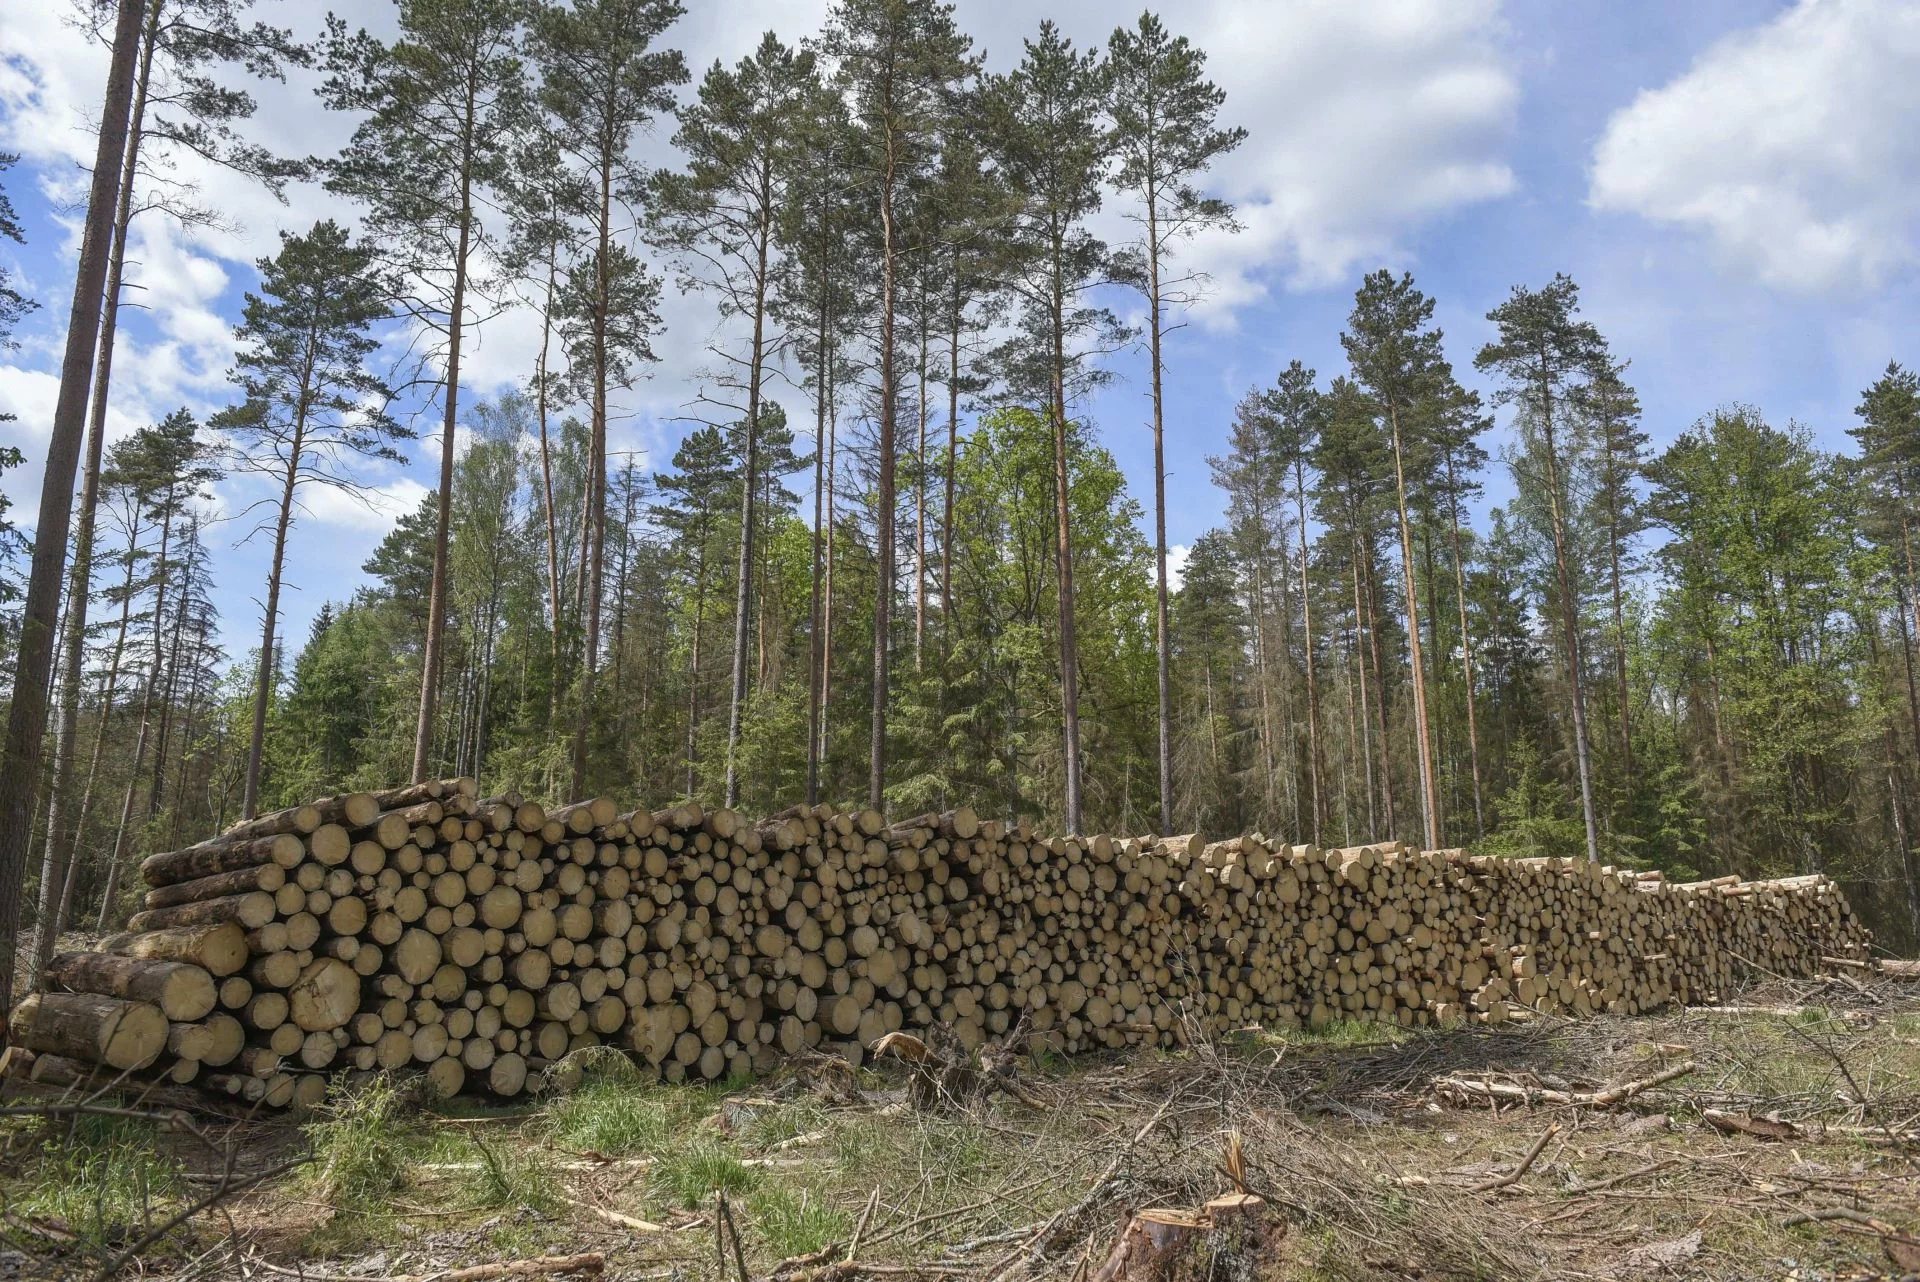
1374,610
263,688
955,317
920,497
1366,709
110,686
1162,614
443,515
595,516
1466,654
749,494
883,518
1429,800
119,852
554,680
1314,759
33,656
813,599
1569,619
60,835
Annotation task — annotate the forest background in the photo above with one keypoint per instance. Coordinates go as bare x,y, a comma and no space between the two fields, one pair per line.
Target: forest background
1446,557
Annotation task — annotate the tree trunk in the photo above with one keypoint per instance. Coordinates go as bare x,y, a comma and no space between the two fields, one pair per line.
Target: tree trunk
1569,619
749,488
60,838
1063,544
263,689
33,658
883,518
1314,767
1466,654
822,359
955,317
920,494
1366,709
443,515
1162,615
119,851
546,484
1429,797
595,516
1374,610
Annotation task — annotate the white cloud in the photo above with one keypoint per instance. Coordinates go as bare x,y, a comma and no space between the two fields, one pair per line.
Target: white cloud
370,511
1177,556
1794,146
1365,121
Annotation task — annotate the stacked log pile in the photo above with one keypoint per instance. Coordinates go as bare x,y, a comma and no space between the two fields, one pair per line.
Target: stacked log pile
479,941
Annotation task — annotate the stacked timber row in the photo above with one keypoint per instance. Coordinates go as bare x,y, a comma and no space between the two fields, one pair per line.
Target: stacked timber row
480,941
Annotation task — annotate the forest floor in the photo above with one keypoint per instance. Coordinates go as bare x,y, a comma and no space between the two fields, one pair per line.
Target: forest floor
1790,1149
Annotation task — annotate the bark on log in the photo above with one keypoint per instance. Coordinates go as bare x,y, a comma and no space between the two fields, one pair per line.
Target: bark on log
221,949
249,911
102,1030
181,990
222,854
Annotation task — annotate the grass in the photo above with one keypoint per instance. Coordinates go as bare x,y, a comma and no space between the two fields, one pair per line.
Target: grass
363,1146
687,1175
792,1222
513,1174
104,1179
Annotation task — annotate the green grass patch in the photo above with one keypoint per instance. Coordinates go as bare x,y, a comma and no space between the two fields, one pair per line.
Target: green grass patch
513,1174
795,1222
363,1147
104,1178
688,1174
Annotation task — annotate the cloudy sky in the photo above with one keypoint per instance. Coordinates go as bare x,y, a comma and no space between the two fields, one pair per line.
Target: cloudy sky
1734,183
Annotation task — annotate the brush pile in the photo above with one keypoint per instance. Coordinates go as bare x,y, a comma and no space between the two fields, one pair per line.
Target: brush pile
478,941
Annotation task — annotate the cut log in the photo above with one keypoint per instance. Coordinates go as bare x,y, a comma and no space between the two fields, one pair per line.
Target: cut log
265,877
294,819
222,854
221,949
181,990
102,1030
251,910
325,997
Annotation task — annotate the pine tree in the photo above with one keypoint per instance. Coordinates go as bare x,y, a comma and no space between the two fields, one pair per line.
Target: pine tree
1297,411
604,80
1541,352
898,62
720,219
1049,137
1394,354
1164,114
442,103
33,655
310,407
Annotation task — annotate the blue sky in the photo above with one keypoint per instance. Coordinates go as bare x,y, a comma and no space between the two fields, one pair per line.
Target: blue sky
1736,187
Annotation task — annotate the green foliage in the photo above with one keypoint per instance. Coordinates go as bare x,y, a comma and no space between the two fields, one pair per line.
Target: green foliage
512,1175
361,1145
689,1173
102,1178
791,1223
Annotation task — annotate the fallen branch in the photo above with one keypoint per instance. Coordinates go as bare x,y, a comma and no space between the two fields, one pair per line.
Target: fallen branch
1462,1089
1526,1163
615,1217
543,1266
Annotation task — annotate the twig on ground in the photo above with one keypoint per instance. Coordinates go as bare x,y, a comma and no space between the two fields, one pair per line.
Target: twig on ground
1526,1163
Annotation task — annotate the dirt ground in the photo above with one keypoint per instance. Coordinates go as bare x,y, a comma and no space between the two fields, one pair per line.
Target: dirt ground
1783,1142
